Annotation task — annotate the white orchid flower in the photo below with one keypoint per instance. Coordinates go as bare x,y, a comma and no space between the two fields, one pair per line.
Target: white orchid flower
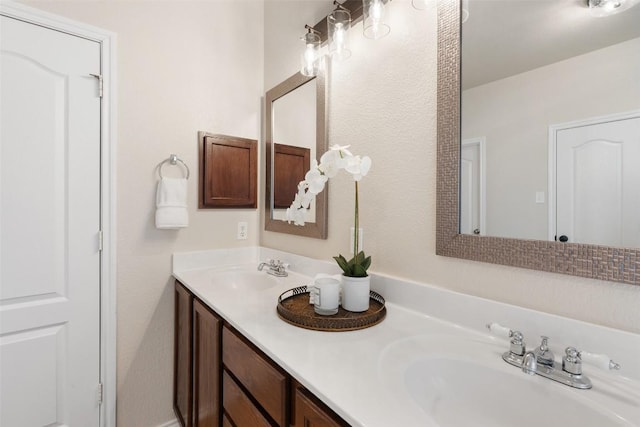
315,180
296,216
302,185
358,167
353,165
301,201
336,158
331,162
306,199
341,149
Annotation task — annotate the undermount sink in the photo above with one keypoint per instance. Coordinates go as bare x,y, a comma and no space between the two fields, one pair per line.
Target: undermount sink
459,393
462,381
241,279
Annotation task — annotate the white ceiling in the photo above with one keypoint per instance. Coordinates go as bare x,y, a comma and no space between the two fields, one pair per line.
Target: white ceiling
502,38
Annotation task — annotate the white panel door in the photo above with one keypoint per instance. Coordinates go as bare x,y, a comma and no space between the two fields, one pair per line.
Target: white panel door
471,188
598,177
49,224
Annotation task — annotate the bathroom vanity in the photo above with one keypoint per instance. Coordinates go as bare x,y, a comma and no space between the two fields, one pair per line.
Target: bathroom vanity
431,362
220,375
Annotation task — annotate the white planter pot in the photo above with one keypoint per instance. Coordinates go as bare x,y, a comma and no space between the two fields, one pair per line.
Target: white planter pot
355,293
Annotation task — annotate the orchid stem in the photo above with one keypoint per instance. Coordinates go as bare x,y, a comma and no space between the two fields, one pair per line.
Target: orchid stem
356,226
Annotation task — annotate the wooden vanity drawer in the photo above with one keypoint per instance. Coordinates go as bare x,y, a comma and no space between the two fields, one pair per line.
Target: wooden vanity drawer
266,383
238,407
310,412
226,422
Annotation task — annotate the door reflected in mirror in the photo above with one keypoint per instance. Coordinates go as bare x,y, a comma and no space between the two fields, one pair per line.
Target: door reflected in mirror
544,84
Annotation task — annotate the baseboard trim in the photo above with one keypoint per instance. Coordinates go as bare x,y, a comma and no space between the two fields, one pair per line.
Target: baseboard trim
172,423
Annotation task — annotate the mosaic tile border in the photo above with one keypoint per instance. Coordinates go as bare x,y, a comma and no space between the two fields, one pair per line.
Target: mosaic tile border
591,261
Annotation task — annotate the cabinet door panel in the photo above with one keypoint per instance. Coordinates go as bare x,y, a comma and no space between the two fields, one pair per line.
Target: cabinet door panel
265,383
238,407
206,366
310,414
226,422
182,368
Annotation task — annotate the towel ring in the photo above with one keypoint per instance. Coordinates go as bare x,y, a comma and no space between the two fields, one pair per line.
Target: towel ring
173,160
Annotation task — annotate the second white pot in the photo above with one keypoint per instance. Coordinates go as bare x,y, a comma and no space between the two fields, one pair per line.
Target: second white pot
355,293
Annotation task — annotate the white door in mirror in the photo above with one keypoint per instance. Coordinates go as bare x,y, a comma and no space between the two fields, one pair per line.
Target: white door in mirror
472,187
597,177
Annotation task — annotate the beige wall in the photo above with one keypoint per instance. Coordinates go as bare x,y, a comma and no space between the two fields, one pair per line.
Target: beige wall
185,66
595,84
383,103
182,67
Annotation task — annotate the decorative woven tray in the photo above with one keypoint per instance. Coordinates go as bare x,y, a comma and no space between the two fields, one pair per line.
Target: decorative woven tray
294,308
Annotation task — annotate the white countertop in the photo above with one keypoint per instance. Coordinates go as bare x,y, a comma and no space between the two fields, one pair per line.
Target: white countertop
354,372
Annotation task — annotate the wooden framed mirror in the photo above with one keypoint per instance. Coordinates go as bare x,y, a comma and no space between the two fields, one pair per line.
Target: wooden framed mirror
295,115
613,263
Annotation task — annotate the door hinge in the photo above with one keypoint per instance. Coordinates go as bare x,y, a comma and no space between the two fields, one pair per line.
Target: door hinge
100,393
100,83
100,240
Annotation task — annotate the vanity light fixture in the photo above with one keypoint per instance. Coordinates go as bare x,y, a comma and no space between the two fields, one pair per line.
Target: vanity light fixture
602,8
338,23
374,19
310,57
420,4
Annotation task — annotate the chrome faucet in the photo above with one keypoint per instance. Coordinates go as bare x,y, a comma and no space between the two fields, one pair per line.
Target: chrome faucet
544,356
530,363
542,362
276,268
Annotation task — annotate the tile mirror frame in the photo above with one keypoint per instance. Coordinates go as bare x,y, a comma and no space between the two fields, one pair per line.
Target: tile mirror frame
584,260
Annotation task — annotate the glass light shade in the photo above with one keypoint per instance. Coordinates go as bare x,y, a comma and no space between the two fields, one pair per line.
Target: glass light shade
310,56
374,19
338,23
601,8
465,11
420,4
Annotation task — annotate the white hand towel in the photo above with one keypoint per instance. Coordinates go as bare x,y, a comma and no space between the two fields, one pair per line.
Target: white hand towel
171,203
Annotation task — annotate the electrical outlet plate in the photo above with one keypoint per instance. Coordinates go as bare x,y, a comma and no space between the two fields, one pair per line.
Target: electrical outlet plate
243,230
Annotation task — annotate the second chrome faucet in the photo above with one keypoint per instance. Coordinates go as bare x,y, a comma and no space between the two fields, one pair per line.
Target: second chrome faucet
276,268
541,360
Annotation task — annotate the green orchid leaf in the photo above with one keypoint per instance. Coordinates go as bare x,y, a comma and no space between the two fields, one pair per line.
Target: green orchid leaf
351,262
342,263
366,263
359,271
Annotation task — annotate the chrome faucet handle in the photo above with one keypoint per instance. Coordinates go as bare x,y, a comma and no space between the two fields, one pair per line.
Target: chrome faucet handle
280,265
269,263
517,345
571,361
544,356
